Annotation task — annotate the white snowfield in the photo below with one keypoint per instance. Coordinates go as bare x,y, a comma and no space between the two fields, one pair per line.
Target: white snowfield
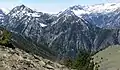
98,8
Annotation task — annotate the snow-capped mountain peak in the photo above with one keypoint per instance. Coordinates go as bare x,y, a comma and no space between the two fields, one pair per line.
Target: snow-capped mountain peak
5,10
98,8
77,7
23,10
102,8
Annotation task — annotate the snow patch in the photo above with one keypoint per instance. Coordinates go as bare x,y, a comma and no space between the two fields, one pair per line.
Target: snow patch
23,11
33,14
43,25
79,12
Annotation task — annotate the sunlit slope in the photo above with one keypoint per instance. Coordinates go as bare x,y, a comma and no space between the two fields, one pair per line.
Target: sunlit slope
109,59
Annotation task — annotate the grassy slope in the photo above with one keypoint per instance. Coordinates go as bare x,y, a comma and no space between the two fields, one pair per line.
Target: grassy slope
109,59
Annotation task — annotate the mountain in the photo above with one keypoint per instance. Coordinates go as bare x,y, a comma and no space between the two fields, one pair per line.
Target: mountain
60,33
24,17
101,15
26,26
65,33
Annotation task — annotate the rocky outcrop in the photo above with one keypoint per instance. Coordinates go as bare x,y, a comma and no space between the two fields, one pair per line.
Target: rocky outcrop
16,59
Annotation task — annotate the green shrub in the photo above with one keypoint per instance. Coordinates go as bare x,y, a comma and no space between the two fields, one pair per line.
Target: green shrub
84,61
5,38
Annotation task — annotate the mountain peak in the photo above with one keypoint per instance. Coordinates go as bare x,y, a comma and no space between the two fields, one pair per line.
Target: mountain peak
20,9
76,7
97,8
22,6
4,10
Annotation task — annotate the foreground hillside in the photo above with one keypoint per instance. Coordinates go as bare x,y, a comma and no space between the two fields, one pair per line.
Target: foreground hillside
16,59
109,59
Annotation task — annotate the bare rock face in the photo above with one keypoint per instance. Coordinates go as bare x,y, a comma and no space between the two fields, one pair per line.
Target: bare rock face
16,59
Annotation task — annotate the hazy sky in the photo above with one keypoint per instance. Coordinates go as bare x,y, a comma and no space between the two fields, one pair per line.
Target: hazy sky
51,6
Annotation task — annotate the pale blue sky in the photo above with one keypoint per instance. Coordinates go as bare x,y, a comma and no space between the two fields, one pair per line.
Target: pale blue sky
51,6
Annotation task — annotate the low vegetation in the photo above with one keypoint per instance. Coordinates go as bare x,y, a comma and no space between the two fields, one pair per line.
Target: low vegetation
83,61
4,37
109,58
